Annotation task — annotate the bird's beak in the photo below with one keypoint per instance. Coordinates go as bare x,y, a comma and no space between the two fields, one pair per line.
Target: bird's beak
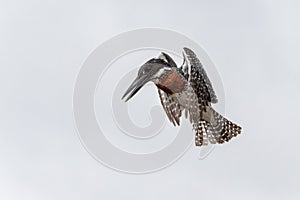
135,86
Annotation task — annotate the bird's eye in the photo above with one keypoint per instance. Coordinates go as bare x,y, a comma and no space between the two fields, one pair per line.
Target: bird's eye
144,70
141,72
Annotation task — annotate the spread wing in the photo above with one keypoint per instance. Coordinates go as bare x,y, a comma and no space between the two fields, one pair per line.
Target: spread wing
198,78
193,70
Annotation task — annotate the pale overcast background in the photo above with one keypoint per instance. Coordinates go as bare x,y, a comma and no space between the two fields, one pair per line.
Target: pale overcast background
254,45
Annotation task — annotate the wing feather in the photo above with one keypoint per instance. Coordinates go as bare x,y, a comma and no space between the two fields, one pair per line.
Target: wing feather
174,110
171,107
198,78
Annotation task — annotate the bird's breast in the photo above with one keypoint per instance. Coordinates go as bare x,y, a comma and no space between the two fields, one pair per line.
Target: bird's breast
172,83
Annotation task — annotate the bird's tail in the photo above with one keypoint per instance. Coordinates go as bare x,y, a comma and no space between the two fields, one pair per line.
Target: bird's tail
217,130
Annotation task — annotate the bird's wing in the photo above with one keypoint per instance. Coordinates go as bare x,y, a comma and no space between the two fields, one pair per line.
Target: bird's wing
171,107
198,78
174,110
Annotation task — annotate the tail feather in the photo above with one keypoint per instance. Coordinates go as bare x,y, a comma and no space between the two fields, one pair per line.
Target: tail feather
201,132
218,130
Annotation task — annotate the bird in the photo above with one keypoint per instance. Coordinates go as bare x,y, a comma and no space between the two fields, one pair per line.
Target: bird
186,90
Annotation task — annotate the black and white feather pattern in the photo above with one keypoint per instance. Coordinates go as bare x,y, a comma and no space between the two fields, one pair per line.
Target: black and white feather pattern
209,125
215,129
198,78
174,109
171,107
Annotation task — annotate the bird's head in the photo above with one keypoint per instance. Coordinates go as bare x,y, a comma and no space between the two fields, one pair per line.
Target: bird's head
152,70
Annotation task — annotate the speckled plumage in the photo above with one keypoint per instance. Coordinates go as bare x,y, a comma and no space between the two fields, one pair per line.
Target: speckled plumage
186,90
195,100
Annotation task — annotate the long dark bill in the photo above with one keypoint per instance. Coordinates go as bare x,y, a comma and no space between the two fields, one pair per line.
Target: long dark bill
135,86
